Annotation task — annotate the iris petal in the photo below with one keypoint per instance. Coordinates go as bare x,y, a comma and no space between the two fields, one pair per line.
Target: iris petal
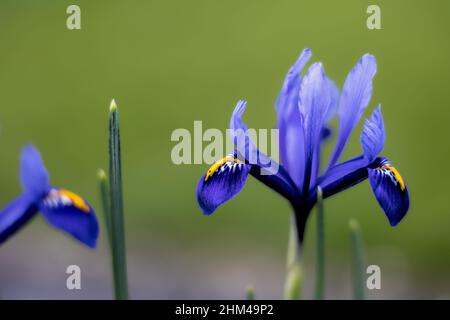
33,174
224,180
242,139
354,98
247,151
343,176
292,149
15,215
315,100
287,99
390,191
326,131
69,212
373,136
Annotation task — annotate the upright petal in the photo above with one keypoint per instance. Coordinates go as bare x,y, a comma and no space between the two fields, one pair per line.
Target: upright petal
292,149
326,132
354,98
372,142
248,153
69,212
15,215
373,136
390,191
222,181
315,100
242,138
33,174
291,83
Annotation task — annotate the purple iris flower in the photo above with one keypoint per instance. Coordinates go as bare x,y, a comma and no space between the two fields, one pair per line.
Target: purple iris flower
304,107
61,208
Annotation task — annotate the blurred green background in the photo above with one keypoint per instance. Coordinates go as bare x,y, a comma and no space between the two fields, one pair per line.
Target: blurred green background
168,63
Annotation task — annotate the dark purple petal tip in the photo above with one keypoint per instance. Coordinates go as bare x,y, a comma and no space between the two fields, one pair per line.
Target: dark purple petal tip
69,212
390,191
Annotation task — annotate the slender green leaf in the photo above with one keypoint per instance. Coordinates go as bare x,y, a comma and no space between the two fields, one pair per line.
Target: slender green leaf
106,202
117,223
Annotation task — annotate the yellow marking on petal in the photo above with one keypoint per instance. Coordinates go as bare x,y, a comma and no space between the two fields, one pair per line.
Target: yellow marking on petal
76,200
218,164
396,174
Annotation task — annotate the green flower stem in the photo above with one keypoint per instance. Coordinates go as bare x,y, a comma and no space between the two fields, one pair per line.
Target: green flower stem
357,260
320,249
294,270
117,224
106,202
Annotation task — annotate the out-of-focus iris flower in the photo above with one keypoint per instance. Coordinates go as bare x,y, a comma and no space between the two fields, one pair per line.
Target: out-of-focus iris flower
304,107
61,208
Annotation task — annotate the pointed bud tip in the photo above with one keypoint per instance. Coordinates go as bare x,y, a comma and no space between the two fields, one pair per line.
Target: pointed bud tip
101,174
353,225
250,292
113,106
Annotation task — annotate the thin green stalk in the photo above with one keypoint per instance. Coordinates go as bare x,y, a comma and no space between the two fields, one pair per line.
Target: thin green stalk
357,260
320,248
250,293
294,272
117,224
106,202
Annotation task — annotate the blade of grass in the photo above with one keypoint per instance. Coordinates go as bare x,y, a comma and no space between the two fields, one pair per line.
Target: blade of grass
106,202
117,224
320,248
357,260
